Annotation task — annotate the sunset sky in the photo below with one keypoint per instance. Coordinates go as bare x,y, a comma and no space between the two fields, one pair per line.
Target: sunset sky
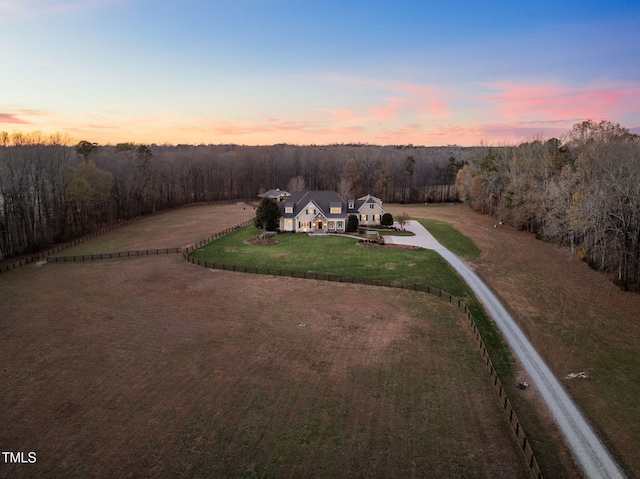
317,72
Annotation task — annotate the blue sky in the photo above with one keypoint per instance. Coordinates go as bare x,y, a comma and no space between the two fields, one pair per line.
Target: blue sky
271,71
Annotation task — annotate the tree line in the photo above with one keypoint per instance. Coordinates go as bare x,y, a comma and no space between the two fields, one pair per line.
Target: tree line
53,189
582,192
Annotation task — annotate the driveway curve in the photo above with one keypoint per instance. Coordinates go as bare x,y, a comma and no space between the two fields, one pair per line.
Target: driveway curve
590,453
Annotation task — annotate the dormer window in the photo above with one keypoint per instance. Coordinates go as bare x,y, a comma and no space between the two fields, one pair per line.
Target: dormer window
351,204
288,209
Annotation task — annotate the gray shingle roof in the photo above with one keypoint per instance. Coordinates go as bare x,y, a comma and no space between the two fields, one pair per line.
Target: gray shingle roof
273,194
323,199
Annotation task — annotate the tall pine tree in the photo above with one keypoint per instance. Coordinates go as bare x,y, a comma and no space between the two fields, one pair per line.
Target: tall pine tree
267,215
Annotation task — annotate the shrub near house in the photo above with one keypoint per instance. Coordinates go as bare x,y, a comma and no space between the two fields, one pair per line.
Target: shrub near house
387,219
326,211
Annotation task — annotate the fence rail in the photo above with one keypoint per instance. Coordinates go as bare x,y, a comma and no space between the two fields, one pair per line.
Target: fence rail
36,257
125,254
194,246
518,430
68,244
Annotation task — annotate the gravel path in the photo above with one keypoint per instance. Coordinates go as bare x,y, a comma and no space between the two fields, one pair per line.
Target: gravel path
593,458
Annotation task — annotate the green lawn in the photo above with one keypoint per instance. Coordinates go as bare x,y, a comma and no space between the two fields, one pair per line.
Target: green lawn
343,256
335,255
451,238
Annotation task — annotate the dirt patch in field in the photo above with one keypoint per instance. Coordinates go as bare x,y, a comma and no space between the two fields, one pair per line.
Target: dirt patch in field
575,317
155,367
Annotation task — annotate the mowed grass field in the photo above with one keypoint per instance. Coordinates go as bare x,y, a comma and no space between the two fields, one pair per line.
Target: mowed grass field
152,367
576,318
339,255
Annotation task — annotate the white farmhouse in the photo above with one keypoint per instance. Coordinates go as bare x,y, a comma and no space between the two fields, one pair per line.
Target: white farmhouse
325,211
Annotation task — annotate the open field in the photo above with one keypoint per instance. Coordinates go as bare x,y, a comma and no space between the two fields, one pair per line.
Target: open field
344,256
170,229
577,319
151,366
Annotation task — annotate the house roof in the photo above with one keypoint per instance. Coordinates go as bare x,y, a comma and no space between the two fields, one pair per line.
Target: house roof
322,199
274,194
370,199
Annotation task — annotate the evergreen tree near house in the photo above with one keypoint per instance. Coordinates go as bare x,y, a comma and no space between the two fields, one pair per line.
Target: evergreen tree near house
267,215
352,224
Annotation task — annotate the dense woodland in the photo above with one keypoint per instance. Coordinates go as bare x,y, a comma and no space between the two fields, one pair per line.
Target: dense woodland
582,191
52,189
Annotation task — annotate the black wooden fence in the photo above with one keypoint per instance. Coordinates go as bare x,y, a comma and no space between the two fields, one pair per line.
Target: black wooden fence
125,254
194,246
68,244
532,463
36,257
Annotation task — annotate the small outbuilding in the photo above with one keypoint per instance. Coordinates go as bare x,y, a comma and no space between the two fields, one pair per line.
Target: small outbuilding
277,194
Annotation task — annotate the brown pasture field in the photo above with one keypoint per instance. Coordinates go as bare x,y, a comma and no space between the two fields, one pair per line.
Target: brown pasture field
576,317
152,367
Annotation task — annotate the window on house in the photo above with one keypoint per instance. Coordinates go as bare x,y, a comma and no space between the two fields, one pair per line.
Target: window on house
371,206
336,211
376,218
364,217
288,223
288,209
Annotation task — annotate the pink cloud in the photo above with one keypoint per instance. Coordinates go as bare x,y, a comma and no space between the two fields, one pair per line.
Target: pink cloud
544,102
413,101
394,109
13,119
428,99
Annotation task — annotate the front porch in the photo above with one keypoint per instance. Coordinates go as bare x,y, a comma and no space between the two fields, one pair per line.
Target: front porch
323,225
319,224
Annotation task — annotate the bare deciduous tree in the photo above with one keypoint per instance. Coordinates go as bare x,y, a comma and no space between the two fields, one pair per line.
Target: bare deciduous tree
296,183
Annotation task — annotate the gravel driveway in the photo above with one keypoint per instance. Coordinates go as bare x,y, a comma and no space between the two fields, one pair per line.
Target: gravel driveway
593,458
